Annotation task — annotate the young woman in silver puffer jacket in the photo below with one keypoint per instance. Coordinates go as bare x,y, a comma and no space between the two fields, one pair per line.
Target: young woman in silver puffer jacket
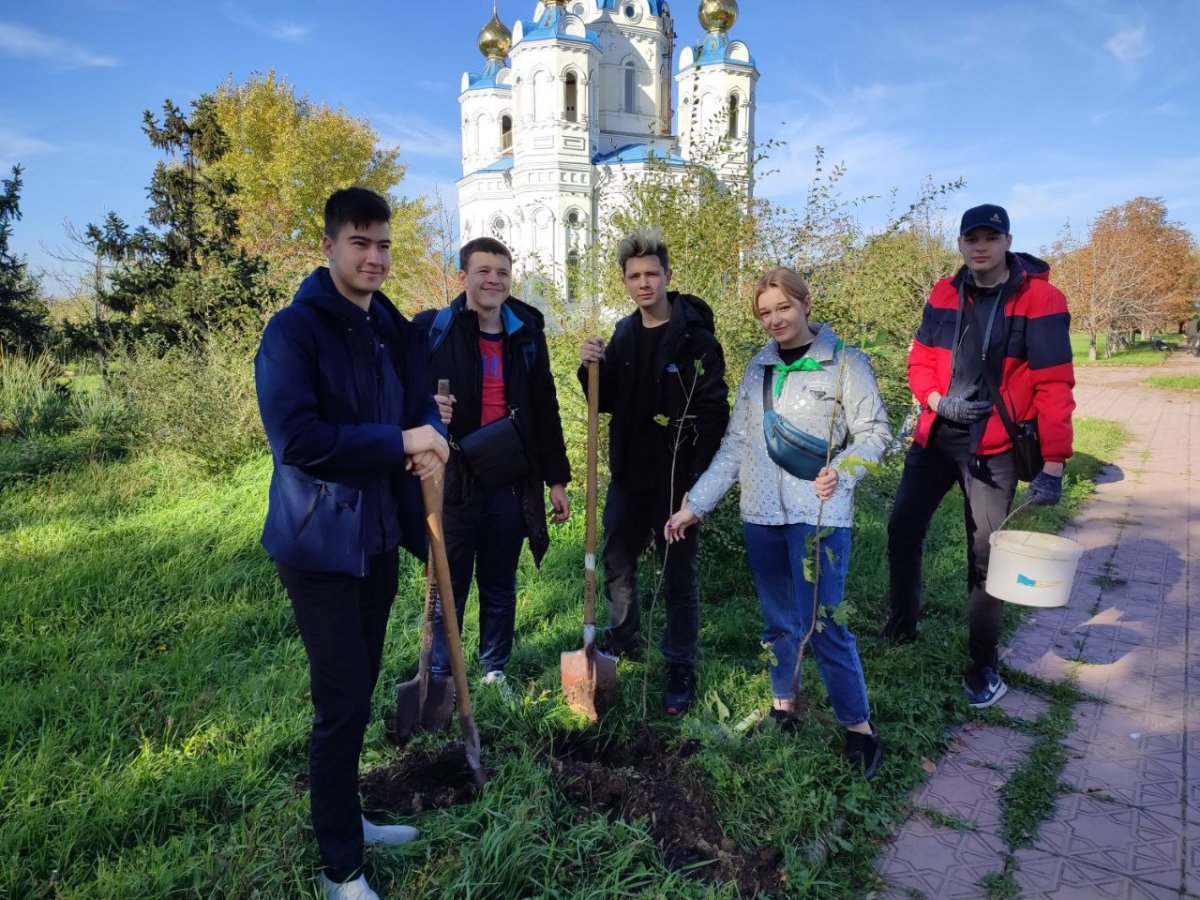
815,382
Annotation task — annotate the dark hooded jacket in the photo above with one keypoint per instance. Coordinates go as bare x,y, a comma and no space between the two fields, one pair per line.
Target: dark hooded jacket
1033,358
529,393
336,390
688,361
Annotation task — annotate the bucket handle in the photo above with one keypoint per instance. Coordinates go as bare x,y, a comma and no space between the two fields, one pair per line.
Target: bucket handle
1011,514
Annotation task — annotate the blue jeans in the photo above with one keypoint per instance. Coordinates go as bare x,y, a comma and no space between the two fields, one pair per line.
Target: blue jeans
776,554
484,538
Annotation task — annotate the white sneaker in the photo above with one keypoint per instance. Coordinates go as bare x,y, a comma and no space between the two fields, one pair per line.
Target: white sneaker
496,676
387,835
358,889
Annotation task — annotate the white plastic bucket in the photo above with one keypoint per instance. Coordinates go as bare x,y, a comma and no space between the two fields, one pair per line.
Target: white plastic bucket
1032,569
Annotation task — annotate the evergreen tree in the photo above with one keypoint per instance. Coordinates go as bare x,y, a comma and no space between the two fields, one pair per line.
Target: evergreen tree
23,325
184,275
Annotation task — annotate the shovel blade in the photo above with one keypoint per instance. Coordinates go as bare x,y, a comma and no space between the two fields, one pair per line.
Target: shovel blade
589,682
439,706
470,736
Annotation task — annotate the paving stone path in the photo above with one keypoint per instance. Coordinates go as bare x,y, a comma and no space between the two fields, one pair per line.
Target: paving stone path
1128,822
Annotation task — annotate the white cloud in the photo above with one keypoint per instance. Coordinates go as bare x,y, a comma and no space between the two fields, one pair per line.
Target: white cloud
1129,44
16,147
417,136
292,32
26,43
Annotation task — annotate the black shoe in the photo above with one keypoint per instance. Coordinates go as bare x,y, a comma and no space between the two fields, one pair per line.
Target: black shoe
681,689
630,650
863,752
896,631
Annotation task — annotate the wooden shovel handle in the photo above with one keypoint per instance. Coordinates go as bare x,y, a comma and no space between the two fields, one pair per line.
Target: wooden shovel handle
590,501
431,492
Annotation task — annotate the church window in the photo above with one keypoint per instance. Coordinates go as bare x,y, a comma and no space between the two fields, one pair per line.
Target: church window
630,87
630,11
572,97
498,228
733,115
573,275
506,134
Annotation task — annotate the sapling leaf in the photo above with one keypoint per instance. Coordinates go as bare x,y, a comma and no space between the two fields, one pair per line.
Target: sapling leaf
662,420
829,555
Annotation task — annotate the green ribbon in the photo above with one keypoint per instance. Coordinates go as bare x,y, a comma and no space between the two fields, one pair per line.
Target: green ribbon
803,364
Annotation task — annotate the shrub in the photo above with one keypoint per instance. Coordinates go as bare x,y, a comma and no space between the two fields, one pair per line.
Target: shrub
33,396
50,422
199,400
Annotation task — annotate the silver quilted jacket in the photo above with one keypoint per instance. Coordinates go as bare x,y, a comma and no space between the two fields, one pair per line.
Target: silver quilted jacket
770,496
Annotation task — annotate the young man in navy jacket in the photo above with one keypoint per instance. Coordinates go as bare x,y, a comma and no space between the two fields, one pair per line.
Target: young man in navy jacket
343,391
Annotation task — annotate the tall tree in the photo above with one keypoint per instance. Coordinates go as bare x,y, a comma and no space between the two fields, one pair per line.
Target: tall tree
187,273
23,325
287,154
1137,269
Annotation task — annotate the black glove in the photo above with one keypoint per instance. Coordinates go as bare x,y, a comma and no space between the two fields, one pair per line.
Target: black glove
964,412
1044,490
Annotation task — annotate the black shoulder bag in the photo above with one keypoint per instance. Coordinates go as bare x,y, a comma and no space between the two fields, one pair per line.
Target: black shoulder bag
1027,446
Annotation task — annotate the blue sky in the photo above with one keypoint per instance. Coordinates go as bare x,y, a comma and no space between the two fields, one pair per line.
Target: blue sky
1056,109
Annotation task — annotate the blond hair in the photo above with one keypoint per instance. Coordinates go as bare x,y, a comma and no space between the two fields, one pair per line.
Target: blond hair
786,280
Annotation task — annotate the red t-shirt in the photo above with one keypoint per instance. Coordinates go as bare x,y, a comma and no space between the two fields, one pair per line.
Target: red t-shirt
491,355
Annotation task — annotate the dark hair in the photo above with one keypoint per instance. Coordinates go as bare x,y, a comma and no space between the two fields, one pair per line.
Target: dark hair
354,206
642,243
481,245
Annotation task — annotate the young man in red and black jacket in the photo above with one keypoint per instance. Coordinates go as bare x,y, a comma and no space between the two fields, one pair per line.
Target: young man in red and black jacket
1001,312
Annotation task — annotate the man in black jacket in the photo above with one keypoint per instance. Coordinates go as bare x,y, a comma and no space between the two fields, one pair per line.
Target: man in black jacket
662,378
506,444
344,396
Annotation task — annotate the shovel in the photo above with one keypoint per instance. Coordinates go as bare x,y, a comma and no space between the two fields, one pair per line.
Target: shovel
426,701
589,677
431,492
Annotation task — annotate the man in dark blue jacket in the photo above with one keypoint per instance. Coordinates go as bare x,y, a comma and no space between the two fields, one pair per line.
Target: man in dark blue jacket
343,390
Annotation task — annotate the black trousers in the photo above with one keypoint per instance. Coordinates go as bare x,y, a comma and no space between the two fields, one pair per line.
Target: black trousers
631,521
987,484
342,621
483,537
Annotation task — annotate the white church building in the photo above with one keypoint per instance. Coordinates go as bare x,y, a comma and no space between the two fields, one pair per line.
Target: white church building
579,99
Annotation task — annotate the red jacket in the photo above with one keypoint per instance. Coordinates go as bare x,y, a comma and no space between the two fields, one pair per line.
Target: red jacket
1036,377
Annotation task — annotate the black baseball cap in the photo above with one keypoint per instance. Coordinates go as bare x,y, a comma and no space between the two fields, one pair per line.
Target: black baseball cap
987,216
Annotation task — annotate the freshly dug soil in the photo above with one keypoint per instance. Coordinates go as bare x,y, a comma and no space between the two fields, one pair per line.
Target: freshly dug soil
643,780
421,780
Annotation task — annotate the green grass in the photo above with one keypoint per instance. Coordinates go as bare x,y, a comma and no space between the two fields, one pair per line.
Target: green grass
1174,382
154,714
1139,353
